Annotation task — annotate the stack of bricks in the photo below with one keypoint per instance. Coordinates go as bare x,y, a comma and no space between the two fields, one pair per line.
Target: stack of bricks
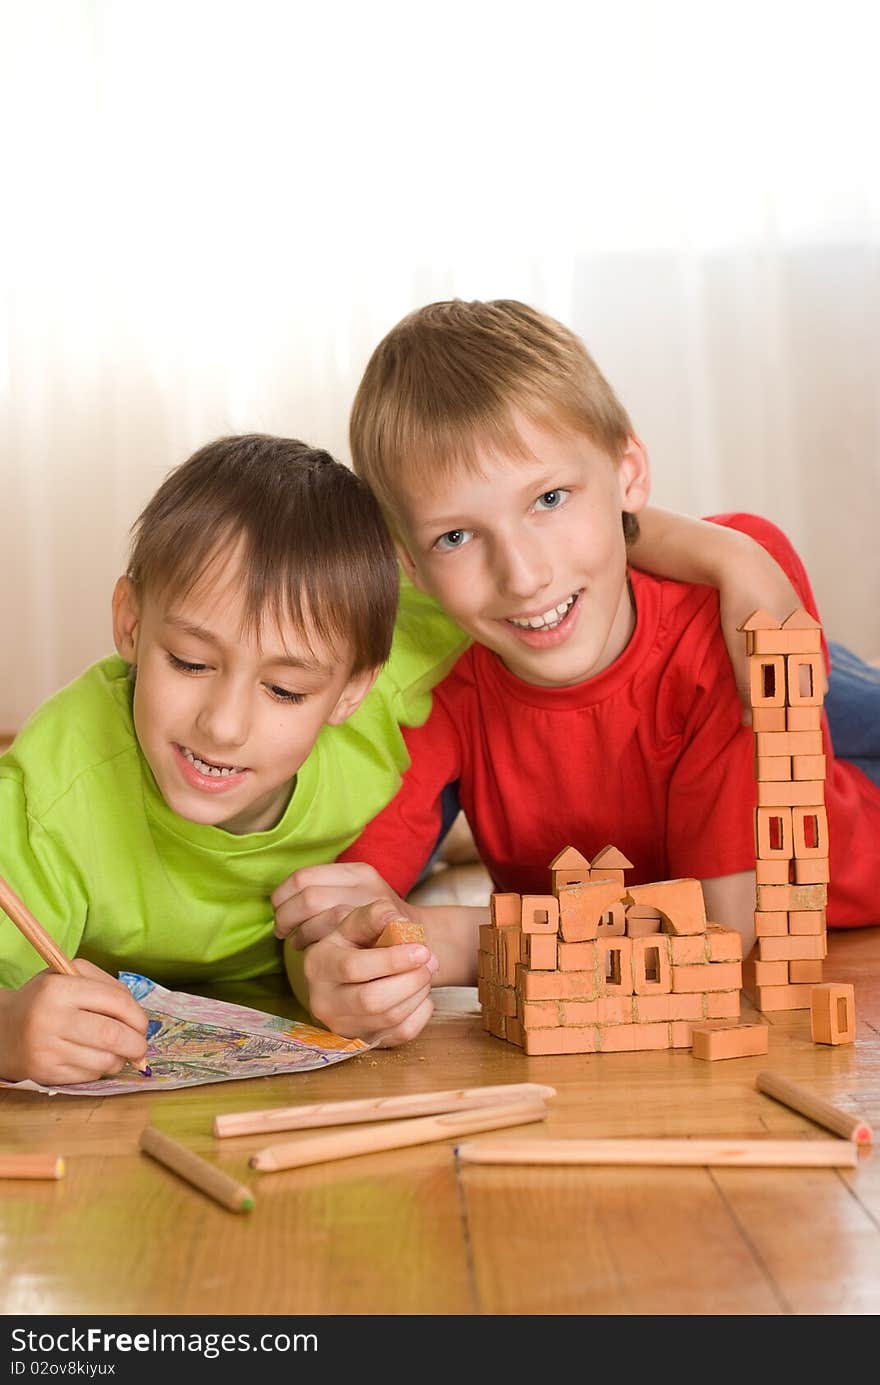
791,825
596,967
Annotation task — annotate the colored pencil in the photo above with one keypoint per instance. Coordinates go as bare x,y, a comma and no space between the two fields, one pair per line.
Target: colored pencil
319,1149
197,1171
708,1153
39,939
31,1166
806,1103
373,1108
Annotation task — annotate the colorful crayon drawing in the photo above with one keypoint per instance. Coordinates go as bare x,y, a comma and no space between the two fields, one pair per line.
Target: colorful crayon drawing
192,1040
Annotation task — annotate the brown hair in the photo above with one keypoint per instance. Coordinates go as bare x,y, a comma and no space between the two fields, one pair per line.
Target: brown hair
445,381
314,546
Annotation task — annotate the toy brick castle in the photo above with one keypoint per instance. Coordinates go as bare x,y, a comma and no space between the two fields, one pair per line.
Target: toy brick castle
595,966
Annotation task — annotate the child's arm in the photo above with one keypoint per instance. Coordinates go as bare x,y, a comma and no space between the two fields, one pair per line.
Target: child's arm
730,901
60,1029
383,994
745,574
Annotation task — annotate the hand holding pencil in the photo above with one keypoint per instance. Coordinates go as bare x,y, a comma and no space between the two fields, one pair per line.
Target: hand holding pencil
73,1023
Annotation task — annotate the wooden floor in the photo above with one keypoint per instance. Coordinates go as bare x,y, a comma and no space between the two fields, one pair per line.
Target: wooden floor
408,1232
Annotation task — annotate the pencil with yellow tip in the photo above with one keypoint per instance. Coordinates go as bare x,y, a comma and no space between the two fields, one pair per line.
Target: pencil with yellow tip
39,939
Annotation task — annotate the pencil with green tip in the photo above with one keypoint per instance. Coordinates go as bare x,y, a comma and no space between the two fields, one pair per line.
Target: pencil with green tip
39,939
196,1170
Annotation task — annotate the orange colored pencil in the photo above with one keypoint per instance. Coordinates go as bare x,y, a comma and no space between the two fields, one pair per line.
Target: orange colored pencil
31,1166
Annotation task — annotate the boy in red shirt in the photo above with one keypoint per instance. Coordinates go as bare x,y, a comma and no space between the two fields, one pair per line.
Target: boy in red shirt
596,703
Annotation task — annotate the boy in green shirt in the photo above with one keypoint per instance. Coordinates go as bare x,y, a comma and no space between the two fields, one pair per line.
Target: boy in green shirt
145,820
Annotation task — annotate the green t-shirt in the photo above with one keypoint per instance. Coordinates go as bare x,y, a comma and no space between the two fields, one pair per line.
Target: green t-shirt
115,876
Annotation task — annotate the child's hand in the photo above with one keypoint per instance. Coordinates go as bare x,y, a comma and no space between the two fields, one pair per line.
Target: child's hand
60,1029
756,583
312,902
367,992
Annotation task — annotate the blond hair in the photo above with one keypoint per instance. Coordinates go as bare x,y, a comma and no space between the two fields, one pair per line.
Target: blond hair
446,380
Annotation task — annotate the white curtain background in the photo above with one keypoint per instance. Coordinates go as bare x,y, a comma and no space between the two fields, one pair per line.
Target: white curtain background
212,212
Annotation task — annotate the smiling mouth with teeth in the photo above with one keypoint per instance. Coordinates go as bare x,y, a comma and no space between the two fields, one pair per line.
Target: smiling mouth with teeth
205,767
549,619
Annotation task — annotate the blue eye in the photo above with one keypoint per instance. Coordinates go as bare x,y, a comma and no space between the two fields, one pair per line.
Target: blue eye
452,539
552,500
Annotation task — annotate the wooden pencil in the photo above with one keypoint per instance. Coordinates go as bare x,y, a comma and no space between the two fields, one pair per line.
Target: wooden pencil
816,1108
374,1108
197,1171
34,931
39,939
708,1153
319,1149
31,1166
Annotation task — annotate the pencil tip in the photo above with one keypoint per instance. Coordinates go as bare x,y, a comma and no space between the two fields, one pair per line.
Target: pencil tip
146,1071
247,1204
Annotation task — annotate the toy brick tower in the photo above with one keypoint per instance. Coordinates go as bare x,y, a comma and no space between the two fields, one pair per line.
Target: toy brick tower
791,825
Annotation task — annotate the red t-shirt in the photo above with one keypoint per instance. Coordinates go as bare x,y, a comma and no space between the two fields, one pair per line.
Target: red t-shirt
650,756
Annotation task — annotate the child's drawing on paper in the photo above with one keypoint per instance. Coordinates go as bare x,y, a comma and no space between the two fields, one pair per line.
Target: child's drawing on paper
193,1040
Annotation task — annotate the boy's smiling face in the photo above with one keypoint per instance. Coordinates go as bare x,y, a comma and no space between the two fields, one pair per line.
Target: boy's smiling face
225,719
528,556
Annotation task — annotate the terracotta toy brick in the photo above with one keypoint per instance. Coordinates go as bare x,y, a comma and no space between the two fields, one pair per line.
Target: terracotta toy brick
775,767
787,641
689,950
809,767
722,1005
712,976
770,719
767,678
772,872
801,792
801,719
791,897
642,925
812,872
809,830
808,921
769,998
773,833
770,925
833,1013
540,914
721,1040
559,985
654,1009
582,908
609,864
504,909
771,973
540,1014
788,743
627,1038
725,944
615,966
800,972
608,1009
541,951
652,965
806,680
680,901
578,956
568,867
400,931
802,948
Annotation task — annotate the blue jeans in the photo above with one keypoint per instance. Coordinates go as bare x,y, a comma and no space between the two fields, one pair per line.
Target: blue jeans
853,707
